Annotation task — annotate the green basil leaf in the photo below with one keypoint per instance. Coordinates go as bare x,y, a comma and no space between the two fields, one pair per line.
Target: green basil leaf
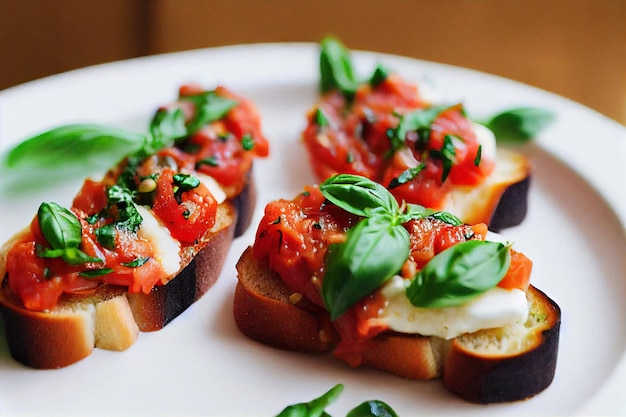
136,263
373,408
59,226
459,273
210,107
406,176
358,195
380,74
336,68
84,146
314,408
72,256
247,142
374,250
127,215
419,120
186,182
320,118
417,212
520,124
210,161
105,235
167,125
95,273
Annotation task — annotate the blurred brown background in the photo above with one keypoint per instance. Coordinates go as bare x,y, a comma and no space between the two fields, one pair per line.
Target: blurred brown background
575,48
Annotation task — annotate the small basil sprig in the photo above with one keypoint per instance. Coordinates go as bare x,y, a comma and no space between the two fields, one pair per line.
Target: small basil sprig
209,108
374,250
316,407
337,70
459,273
63,232
519,124
126,216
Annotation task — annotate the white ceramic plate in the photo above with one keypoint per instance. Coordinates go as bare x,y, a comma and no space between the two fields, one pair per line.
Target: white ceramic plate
201,365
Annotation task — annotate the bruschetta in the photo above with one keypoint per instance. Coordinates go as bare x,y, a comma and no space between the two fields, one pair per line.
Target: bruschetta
426,152
344,268
136,248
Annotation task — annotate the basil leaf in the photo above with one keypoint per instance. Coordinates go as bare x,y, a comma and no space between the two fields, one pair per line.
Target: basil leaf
136,263
127,215
336,68
358,195
320,118
520,124
167,125
380,74
59,226
419,120
80,145
105,235
374,250
314,408
417,212
247,142
72,256
94,273
406,176
373,408
210,107
459,273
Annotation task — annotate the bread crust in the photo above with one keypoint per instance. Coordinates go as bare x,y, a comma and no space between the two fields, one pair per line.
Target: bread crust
110,318
263,312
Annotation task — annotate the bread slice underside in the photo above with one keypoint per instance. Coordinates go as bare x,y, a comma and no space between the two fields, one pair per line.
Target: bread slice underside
505,364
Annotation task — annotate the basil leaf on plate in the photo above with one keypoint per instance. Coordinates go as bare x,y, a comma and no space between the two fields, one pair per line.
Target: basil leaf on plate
358,195
372,408
459,273
374,250
78,144
519,124
313,408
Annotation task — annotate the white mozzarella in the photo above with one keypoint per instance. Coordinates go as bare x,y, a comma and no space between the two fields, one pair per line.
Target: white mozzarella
495,308
213,186
166,248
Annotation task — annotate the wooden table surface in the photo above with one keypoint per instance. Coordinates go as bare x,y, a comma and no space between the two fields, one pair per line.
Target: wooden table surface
575,48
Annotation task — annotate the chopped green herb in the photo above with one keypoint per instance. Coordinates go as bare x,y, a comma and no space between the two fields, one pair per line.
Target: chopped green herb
94,273
136,263
247,142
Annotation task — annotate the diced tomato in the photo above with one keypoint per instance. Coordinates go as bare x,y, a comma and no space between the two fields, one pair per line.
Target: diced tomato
518,275
91,198
190,219
356,141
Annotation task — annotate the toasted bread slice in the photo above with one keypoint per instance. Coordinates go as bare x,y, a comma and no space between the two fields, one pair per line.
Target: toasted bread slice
110,318
501,201
496,365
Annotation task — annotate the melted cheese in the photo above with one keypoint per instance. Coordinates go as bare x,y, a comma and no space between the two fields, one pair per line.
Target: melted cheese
213,186
166,248
495,308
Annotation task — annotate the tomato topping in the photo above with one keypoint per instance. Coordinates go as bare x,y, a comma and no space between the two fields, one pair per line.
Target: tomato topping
189,219
354,138
293,237
224,149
